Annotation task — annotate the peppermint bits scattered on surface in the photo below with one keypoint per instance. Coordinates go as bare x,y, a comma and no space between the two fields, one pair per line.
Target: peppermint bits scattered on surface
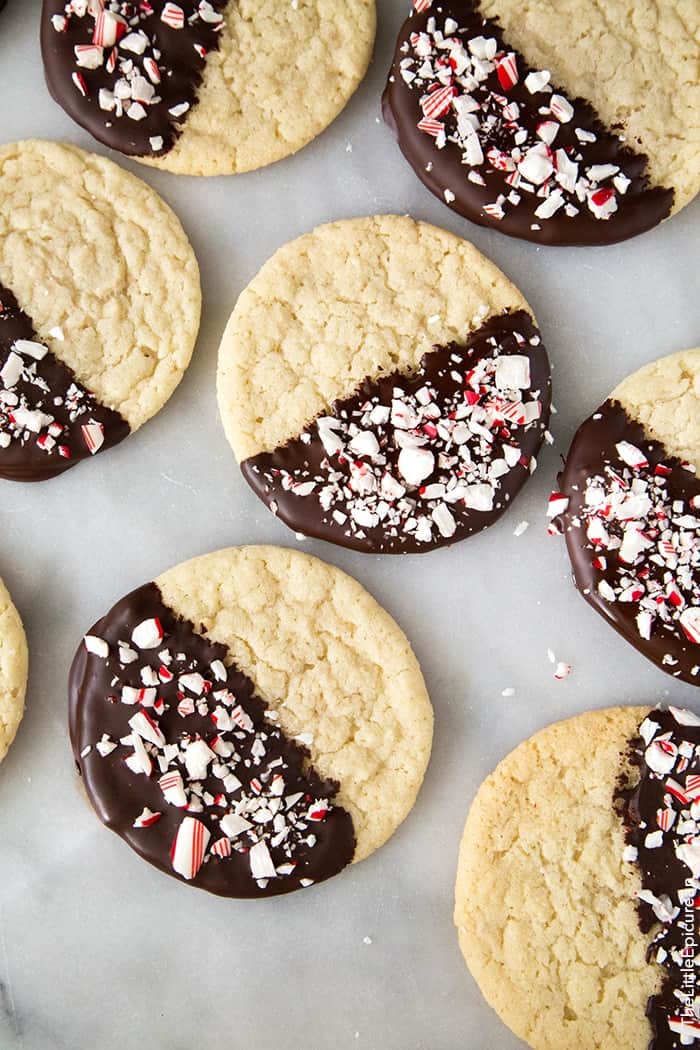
181,756
413,461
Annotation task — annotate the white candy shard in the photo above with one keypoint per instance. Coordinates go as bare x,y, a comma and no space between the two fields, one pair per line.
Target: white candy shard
148,634
416,464
261,866
96,646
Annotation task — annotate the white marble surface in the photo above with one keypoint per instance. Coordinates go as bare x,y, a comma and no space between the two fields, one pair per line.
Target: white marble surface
97,950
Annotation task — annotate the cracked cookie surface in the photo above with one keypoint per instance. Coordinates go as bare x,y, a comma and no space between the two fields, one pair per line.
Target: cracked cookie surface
13,670
282,73
330,662
664,396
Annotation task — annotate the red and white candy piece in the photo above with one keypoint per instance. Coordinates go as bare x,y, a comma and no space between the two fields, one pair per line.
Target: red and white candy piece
631,455
88,56
143,724
173,16
557,504
109,29
147,818
507,71
189,846
93,436
222,847
148,634
661,756
690,624
173,789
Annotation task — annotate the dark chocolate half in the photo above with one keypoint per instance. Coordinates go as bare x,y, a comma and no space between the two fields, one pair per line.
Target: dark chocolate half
242,797
411,462
474,159
661,813
647,587
48,421
129,72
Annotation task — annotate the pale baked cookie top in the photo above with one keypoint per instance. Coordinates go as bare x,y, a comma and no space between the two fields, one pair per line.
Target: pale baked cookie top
545,904
103,268
332,672
384,385
204,88
13,670
628,504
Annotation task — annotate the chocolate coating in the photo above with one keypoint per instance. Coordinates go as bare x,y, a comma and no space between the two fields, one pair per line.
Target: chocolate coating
118,794
592,450
181,70
439,371
24,460
662,873
639,209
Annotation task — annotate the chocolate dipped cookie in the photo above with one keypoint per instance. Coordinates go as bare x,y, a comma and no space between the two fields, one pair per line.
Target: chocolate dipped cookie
251,722
99,307
384,386
578,879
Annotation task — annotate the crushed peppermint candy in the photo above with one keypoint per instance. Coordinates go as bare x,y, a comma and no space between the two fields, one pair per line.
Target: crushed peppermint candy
173,742
48,421
415,461
508,144
129,70
661,813
631,517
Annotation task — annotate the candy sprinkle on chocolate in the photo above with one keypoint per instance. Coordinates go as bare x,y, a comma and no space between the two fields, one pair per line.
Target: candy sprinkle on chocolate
503,145
183,760
48,420
629,513
410,462
129,70
662,819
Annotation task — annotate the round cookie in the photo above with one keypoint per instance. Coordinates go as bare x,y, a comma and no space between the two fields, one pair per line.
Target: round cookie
548,121
628,505
99,306
383,386
577,873
206,88
292,723
13,670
